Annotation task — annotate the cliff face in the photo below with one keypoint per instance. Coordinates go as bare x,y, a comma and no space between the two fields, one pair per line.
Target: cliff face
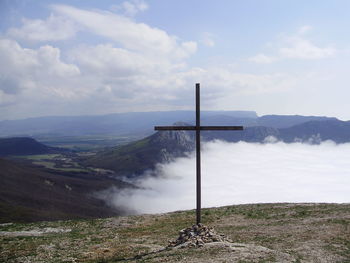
135,158
174,143
180,143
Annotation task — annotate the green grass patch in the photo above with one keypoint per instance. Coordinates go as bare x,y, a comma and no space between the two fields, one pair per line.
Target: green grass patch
40,156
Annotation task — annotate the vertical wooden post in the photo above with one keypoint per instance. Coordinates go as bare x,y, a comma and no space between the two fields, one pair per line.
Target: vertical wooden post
198,154
198,129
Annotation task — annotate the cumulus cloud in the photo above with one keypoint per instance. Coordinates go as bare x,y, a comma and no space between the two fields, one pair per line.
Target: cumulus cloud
300,48
131,8
112,61
304,29
223,84
33,70
128,33
262,59
6,99
155,74
239,173
208,39
133,67
8,85
104,78
54,28
137,60
295,46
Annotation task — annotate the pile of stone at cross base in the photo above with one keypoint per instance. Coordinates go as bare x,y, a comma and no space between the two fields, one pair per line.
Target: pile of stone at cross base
197,236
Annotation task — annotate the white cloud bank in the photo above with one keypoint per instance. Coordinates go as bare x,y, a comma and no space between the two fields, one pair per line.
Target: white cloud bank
238,173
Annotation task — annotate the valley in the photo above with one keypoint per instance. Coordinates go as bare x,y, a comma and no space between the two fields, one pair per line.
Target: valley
86,143
83,164
66,162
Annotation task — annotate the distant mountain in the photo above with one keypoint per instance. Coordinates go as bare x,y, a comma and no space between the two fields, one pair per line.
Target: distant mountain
317,131
29,194
140,124
272,121
285,121
249,134
222,119
314,131
24,146
131,123
135,158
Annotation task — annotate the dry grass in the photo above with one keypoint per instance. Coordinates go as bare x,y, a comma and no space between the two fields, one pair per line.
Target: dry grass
260,233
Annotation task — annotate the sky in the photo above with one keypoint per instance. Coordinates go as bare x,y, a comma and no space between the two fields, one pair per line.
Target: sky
84,57
243,173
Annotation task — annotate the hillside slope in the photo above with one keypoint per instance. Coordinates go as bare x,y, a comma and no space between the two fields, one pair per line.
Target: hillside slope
29,194
24,146
257,233
133,159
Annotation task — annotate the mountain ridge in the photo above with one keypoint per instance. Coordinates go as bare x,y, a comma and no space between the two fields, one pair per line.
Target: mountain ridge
119,123
164,146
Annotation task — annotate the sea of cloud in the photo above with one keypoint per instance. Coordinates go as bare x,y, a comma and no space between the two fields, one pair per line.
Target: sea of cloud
239,173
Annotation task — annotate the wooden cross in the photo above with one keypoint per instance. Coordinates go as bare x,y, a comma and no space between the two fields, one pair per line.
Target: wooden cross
198,128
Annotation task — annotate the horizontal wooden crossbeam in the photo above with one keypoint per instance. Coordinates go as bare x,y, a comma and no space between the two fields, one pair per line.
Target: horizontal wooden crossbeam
198,128
202,128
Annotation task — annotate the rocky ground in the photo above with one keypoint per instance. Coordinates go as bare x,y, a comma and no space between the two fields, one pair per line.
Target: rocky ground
242,233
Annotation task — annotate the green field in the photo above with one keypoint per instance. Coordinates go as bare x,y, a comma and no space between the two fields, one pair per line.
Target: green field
40,156
58,162
86,143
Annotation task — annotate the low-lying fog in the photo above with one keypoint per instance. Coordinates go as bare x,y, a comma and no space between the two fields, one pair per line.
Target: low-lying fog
238,173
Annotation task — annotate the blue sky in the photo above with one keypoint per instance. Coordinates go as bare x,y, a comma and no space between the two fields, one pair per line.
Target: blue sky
95,57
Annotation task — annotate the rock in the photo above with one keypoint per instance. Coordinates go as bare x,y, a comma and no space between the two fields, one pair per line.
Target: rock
196,236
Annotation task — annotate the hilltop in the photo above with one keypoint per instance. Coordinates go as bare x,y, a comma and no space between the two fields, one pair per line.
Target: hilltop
257,233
